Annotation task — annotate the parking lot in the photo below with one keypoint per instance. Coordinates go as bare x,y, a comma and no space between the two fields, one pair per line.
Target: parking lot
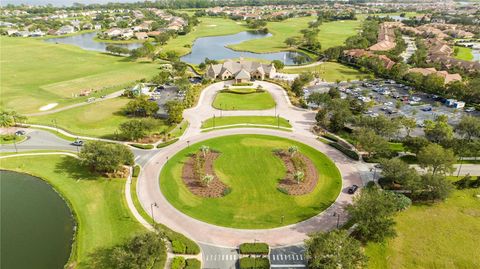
394,100
162,94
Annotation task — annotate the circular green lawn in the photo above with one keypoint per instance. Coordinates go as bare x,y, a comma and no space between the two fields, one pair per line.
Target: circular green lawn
247,101
248,166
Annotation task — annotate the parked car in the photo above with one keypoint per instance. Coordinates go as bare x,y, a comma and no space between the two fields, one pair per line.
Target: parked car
352,189
20,132
469,109
427,109
78,143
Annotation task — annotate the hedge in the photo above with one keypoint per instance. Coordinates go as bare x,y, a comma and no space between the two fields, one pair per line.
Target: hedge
254,248
258,263
178,263
142,146
136,170
330,137
243,84
168,143
240,90
193,264
181,244
348,152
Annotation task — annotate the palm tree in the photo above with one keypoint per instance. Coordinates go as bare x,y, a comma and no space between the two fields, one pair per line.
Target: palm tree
10,118
299,176
205,149
292,150
207,179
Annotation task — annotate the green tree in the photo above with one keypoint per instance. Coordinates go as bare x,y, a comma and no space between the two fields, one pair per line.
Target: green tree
371,143
299,176
175,111
396,170
469,127
408,124
438,131
162,77
292,150
292,41
373,212
141,107
319,99
415,144
332,250
207,179
162,38
9,118
436,159
300,81
278,64
433,187
205,149
105,157
137,128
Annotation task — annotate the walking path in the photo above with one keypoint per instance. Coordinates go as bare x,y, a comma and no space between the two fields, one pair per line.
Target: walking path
303,66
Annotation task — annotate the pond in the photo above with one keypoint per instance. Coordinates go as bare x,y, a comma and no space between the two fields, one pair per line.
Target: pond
215,48
86,41
37,226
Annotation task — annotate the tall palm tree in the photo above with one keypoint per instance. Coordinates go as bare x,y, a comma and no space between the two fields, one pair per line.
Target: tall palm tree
207,179
292,150
299,176
205,149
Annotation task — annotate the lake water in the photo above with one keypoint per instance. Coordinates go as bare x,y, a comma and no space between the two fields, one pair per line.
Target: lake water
36,224
215,48
86,41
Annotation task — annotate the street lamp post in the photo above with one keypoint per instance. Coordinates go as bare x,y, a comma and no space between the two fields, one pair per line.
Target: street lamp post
213,121
188,143
255,257
278,121
15,142
154,204
338,218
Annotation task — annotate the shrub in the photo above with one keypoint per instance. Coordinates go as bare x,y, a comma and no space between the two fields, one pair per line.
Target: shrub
282,190
193,264
240,90
258,263
136,170
330,137
178,247
348,152
254,248
243,84
227,191
168,143
178,263
142,146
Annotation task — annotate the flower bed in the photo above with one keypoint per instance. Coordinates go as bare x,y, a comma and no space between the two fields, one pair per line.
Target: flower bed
297,163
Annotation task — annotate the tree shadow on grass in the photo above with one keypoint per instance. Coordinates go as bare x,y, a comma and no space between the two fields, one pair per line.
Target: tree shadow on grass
72,167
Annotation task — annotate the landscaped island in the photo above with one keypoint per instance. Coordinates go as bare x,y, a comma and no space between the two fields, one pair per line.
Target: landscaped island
248,165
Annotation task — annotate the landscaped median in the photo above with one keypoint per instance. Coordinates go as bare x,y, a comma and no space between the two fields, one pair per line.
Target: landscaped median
243,99
246,121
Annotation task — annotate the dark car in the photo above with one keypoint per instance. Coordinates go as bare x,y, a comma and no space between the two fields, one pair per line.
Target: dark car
352,189
78,143
20,132
427,109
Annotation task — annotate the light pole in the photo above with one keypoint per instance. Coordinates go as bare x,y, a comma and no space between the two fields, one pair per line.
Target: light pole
255,258
15,142
338,218
460,167
213,121
76,144
275,109
283,218
154,204
278,121
188,143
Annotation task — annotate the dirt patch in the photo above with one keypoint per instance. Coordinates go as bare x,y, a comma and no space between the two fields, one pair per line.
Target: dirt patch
192,180
289,184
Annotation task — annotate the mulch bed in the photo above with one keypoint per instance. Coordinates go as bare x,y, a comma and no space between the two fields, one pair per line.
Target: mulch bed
216,188
289,183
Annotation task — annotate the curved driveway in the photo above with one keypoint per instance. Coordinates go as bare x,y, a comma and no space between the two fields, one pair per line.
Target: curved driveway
148,188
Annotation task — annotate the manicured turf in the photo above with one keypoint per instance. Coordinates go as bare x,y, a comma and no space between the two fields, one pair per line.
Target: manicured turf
8,139
99,119
464,53
248,166
280,31
442,235
99,204
267,120
36,73
207,27
251,101
330,71
336,32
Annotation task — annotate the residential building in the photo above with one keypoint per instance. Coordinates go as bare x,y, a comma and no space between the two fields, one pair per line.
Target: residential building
241,71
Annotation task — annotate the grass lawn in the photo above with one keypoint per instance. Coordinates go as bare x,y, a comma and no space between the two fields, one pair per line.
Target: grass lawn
8,139
238,101
280,31
442,235
248,166
99,205
99,119
267,120
336,32
464,53
330,71
207,27
36,73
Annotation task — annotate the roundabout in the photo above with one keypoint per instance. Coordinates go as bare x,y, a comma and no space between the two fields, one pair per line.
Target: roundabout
150,191
253,172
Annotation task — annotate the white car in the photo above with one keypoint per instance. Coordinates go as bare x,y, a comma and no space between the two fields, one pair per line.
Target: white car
388,104
469,109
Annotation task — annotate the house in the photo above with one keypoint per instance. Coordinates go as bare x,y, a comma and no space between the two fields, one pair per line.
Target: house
354,54
141,36
114,32
66,29
241,71
386,38
447,77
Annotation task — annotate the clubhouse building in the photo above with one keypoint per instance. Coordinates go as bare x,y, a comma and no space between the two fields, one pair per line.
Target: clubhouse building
240,71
